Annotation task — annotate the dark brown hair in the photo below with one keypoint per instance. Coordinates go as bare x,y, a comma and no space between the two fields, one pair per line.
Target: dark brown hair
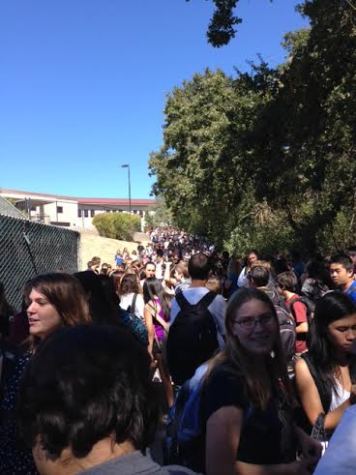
65,293
129,283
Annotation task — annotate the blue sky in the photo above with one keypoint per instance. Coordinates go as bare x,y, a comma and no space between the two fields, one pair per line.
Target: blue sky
83,83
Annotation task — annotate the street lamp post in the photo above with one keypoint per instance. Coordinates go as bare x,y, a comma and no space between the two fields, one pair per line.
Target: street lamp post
129,182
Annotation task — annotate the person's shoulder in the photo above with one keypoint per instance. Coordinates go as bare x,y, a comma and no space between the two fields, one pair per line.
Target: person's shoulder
195,291
193,294
135,463
297,302
352,288
301,364
223,387
224,374
174,470
305,367
219,300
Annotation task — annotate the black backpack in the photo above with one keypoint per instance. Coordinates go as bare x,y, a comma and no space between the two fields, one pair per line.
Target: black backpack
287,331
192,338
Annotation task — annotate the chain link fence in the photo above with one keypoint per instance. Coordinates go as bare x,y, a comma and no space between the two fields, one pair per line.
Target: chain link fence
28,249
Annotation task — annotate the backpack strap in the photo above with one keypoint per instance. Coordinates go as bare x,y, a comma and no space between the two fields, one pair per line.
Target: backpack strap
133,304
323,390
182,301
207,299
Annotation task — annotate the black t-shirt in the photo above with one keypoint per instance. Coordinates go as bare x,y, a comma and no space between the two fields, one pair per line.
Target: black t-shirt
264,438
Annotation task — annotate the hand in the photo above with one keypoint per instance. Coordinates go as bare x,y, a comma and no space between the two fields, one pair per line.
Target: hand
300,467
311,449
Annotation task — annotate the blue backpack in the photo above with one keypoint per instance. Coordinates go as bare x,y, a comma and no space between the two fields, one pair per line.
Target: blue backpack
184,443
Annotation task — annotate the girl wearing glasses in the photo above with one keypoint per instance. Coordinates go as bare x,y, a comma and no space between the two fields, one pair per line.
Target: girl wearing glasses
246,401
326,374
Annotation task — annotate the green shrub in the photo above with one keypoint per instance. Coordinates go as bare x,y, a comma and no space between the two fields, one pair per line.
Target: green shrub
117,225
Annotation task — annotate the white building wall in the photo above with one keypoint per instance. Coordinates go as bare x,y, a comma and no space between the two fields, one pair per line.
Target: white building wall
69,212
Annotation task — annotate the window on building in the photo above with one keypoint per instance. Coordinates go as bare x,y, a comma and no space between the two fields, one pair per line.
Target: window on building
79,213
59,209
86,213
92,213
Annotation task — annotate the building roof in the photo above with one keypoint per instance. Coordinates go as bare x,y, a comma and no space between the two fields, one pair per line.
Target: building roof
115,201
80,200
8,209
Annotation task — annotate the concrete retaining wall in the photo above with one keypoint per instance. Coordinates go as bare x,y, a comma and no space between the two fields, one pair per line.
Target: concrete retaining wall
105,248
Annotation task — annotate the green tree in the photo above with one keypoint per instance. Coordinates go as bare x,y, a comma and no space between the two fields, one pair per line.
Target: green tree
222,26
120,226
159,214
309,127
202,169
268,158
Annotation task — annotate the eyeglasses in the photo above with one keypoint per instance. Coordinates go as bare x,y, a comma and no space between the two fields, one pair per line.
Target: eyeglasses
248,323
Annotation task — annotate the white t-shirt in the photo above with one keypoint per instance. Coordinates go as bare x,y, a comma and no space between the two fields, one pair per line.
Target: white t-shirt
339,397
126,301
216,308
242,281
159,270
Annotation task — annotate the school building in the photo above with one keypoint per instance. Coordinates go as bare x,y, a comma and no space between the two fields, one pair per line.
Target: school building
69,211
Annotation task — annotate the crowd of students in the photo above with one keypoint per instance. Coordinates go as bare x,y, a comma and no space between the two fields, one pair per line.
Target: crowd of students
249,365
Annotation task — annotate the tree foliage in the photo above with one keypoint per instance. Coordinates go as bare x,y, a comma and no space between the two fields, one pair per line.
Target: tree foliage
267,158
222,25
159,215
120,226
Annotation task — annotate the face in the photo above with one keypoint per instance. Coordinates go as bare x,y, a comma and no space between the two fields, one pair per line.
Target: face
251,258
342,333
255,327
150,271
339,275
43,317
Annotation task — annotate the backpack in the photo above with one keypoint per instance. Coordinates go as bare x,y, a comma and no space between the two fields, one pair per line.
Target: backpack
134,324
184,441
287,331
192,337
